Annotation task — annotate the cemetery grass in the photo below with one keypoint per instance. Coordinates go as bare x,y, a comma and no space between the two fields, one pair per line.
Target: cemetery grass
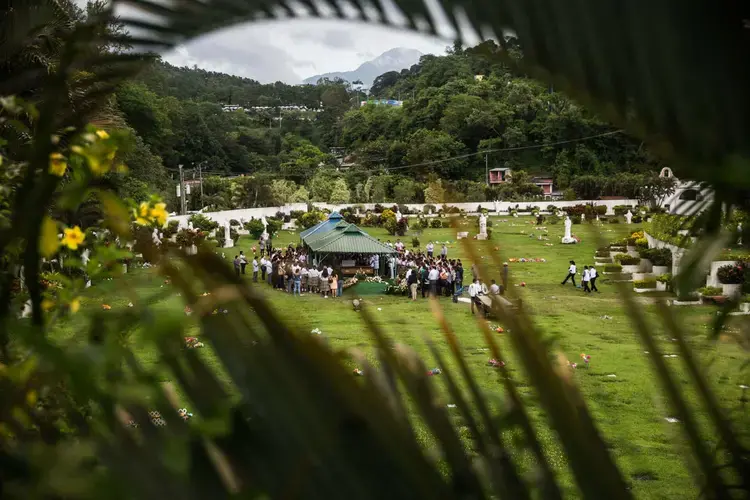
618,384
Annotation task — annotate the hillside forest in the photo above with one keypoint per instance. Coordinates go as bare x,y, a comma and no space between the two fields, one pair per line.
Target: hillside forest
432,149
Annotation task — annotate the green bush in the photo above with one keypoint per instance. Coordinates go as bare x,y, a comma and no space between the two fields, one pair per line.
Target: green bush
429,209
627,260
711,291
647,283
612,268
664,278
203,223
614,220
296,214
552,219
309,219
415,242
600,210
575,219
658,256
170,229
390,225
436,223
254,227
603,253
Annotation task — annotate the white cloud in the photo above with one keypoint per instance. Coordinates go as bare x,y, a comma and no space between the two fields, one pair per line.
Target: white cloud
291,50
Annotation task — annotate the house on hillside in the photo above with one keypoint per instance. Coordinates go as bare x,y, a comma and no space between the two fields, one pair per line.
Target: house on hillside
499,175
504,174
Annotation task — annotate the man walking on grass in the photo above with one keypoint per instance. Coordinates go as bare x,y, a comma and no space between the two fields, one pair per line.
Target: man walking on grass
571,274
593,274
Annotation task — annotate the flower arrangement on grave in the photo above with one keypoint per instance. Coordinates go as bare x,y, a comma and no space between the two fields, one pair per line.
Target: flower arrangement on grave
397,287
106,307
434,371
586,358
573,365
316,331
358,372
497,328
495,363
373,279
193,343
188,311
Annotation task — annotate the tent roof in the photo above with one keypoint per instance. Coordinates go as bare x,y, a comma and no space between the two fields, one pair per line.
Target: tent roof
348,239
325,233
323,226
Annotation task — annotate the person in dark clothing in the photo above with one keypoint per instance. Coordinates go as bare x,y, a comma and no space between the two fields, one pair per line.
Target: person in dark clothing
237,264
413,282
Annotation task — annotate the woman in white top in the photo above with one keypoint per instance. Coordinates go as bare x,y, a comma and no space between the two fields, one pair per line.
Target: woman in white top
571,274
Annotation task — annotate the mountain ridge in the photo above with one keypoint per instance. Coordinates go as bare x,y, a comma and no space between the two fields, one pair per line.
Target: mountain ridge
394,59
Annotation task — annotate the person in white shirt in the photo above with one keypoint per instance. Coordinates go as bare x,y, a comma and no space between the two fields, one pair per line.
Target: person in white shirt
571,274
586,278
494,288
432,277
269,271
594,275
475,291
262,268
303,278
430,248
255,269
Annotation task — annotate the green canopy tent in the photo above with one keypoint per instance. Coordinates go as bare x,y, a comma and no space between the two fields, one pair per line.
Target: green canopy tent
347,247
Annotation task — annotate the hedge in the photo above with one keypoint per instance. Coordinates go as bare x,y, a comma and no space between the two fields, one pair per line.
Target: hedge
647,283
627,260
612,268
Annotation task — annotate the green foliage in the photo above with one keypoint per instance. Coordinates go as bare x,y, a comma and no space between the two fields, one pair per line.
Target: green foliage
647,283
711,291
415,242
203,223
627,260
309,219
658,256
666,227
436,223
664,278
612,268
254,227
339,192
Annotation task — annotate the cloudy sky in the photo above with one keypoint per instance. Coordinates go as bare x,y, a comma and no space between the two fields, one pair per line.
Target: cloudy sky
291,51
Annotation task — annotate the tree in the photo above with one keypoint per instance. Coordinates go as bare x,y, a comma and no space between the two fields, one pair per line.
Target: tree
434,193
285,191
438,152
339,192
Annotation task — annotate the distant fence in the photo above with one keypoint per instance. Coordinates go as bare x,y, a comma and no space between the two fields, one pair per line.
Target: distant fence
499,208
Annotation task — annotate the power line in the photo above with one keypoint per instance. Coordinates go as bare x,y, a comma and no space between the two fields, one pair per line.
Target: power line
458,157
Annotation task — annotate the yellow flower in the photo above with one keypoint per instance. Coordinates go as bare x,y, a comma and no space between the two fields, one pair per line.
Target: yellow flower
75,305
102,134
77,149
73,237
159,213
57,164
142,214
47,304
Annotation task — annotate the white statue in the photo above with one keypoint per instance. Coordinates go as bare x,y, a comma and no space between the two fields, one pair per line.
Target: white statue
265,223
497,207
228,242
583,217
482,227
155,237
629,216
568,238
190,225
739,232
398,215
85,256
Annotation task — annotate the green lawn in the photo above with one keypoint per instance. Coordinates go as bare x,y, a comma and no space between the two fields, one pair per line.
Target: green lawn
619,385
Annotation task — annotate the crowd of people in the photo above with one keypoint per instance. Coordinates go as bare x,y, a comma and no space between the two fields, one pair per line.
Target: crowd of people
290,271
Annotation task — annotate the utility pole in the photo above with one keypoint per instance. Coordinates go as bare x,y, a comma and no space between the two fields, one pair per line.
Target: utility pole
183,206
487,168
200,176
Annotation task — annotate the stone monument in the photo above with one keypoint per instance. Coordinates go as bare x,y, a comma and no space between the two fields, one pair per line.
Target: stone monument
155,237
568,238
482,227
228,242
398,215
739,232
629,216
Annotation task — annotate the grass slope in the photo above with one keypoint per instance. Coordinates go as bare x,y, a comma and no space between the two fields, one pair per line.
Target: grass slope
619,385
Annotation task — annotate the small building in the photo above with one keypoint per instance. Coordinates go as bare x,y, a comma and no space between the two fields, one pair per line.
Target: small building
545,183
344,246
499,175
